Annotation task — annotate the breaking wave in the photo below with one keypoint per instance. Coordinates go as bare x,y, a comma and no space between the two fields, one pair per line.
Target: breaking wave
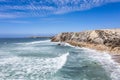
111,67
34,68
34,42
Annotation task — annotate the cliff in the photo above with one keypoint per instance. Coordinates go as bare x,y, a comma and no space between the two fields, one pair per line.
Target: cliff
103,40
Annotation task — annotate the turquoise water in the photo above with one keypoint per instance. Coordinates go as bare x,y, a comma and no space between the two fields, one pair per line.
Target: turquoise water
40,59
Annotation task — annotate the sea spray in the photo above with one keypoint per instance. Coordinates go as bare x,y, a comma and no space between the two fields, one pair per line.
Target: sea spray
62,60
111,67
34,42
27,59
21,67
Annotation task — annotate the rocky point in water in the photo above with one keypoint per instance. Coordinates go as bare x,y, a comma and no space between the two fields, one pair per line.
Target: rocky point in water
102,40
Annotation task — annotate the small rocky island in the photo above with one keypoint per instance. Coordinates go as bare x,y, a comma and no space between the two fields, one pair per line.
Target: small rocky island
102,40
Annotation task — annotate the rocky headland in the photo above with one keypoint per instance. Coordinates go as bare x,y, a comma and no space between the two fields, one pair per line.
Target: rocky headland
103,40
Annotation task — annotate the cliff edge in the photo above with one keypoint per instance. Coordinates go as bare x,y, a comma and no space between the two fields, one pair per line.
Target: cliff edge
103,40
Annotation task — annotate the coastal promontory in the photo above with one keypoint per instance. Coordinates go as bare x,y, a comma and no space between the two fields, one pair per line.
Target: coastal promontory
102,40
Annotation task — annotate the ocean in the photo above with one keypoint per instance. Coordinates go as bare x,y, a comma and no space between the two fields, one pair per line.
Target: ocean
41,59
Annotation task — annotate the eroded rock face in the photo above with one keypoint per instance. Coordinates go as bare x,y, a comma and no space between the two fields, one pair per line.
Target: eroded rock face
108,37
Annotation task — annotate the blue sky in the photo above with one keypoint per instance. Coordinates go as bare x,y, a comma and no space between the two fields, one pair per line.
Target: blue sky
33,17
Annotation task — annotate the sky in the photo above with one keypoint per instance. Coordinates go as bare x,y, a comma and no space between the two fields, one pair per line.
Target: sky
34,17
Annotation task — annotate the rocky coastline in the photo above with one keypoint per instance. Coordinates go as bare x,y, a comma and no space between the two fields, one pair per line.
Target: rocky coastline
103,40
107,40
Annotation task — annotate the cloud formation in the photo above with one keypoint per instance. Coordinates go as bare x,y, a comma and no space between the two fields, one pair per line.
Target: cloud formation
37,8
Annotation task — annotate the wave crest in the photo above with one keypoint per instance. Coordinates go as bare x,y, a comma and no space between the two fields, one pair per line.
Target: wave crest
17,67
34,42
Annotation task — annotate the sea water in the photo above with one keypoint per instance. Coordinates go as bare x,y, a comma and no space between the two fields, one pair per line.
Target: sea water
40,59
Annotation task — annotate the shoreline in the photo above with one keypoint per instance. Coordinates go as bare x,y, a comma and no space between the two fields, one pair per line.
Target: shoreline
106,40
100,48
114,56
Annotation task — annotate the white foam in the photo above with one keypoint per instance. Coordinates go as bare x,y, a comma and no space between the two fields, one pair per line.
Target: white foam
37,42
64,59
111,67
67,44
34,42
24,66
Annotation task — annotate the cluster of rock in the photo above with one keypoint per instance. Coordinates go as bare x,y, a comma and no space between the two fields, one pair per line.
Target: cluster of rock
107,40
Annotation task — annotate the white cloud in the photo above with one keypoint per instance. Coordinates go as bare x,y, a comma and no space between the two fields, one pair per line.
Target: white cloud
15,21
22,8
7,16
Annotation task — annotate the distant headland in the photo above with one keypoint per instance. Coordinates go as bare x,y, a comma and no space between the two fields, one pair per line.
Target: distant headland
40,37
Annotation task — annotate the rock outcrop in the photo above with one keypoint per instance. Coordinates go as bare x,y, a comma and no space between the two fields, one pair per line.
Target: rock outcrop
105,40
